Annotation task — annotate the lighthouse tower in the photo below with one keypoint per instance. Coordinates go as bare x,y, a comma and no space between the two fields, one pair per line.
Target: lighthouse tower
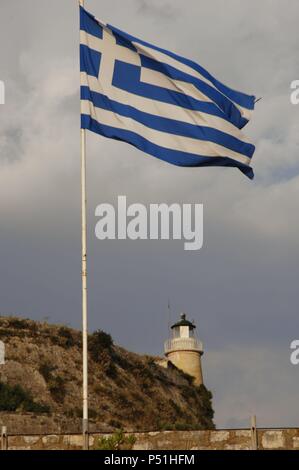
184,350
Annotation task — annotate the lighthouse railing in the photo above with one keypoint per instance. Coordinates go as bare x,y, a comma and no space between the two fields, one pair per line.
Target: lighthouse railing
183,344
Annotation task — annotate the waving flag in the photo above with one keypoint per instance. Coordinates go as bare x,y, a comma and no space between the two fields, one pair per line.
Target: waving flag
163,104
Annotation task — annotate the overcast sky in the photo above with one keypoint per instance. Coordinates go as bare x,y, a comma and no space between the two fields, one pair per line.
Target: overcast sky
242,287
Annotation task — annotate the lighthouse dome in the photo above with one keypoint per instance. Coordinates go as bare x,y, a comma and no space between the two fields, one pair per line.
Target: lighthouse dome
184,322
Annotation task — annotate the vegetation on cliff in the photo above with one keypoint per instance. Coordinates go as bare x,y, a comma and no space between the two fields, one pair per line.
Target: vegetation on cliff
42,376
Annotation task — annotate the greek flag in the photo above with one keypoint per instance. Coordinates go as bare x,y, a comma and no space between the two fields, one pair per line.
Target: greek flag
163,104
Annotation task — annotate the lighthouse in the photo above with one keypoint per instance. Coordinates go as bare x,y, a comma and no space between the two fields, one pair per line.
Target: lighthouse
184,350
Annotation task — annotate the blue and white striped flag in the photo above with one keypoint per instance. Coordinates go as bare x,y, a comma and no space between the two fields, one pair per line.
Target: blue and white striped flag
163,104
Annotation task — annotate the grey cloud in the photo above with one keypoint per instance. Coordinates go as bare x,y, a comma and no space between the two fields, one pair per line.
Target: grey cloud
11,145
160,10
261,381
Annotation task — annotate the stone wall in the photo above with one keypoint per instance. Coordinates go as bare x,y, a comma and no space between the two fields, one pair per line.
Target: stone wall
277,439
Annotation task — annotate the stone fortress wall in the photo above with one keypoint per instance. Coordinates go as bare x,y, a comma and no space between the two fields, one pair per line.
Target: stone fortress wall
267,439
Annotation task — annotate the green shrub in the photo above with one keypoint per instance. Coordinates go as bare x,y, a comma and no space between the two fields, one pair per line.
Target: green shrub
78,413
122,361
100,349
56,383
188,392
92,413
18,324
118,441
178,410
68,340
206,399
115,424
14,398
64,337
98,342
46,370
6,333
57,389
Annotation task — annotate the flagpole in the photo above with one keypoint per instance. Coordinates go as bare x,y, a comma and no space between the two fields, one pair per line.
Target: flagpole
84,286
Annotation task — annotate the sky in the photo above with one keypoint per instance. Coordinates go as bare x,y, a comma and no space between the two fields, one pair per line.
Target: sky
242,287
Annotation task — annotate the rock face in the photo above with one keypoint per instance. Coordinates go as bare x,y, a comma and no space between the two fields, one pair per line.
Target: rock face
43,374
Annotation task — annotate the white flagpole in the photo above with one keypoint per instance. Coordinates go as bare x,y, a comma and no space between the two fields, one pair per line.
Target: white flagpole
84,286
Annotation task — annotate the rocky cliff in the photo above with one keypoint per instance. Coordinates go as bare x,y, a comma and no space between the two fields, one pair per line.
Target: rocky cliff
40,384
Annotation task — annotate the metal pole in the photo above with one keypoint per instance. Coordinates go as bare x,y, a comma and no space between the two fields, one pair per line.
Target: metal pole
84,286
4,440
254,441
169,317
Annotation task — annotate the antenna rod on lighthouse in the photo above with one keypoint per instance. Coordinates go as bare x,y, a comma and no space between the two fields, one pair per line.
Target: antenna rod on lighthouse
84,286
169,315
